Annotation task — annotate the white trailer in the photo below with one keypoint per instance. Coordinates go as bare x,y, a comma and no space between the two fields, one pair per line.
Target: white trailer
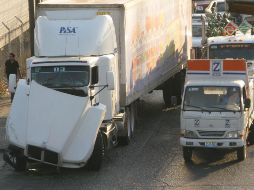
93,60
217,108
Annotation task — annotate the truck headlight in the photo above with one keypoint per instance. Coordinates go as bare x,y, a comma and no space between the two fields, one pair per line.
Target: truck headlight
234,134
188,134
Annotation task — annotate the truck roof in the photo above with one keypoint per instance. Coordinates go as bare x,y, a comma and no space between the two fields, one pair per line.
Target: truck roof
231,39
212,70
83,3
43,60
216,82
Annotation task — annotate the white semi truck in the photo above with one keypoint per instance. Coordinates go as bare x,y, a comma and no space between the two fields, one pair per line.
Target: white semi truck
217,107
93,61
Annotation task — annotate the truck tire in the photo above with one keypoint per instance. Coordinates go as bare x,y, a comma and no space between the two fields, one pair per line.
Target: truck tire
187,154
17,161
251,136
133,118
128,121
242,153
95,161
167,97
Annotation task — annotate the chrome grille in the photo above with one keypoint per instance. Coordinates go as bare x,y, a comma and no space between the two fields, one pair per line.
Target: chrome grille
211,133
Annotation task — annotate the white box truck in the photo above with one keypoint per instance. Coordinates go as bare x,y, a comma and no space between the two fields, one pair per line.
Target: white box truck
217,107
93,60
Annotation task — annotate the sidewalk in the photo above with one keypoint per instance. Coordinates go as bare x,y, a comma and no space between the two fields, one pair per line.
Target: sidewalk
5,104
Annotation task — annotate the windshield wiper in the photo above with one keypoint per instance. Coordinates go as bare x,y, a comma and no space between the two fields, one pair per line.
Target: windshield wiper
225,109
199,107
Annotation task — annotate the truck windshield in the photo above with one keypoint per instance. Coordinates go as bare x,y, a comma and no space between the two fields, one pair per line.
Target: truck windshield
235,51
61,76
196,31
212,99
200,6
221,7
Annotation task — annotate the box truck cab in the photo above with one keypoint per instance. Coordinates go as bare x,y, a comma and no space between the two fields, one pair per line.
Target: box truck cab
232,47
217,106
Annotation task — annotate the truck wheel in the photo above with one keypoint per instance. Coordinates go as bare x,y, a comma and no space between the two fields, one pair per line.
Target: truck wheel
133,118
251,136
187,154
17,161
125,140
242,153
167,97
94,163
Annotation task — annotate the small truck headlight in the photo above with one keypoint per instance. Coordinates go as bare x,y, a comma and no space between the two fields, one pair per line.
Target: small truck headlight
188,134
234,134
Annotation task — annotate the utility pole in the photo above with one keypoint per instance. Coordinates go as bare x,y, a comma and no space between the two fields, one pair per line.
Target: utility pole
32,4
31,24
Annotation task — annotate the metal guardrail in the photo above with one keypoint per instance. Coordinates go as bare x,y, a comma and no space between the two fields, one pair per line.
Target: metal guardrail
14,20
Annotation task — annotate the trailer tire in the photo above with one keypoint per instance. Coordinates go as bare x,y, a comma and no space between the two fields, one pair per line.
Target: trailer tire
133,118
95,161
167,97
242,153
187,154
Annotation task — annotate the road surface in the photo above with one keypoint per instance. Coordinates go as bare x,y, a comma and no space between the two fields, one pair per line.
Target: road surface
152,161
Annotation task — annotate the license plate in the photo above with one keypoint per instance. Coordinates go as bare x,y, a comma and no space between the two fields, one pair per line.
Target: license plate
210,144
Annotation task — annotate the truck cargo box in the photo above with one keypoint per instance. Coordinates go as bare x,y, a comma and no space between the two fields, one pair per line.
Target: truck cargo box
153,38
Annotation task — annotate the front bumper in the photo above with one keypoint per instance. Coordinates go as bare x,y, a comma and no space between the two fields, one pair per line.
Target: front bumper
212,143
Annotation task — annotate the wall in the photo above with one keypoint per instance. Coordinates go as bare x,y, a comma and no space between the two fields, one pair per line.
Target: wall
14,34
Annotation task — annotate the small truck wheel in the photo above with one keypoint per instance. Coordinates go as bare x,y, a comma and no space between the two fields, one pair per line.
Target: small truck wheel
94,163
187,154
242,153
167,97
251,136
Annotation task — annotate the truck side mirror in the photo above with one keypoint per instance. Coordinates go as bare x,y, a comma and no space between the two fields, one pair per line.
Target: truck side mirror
247,103
110,80
12,83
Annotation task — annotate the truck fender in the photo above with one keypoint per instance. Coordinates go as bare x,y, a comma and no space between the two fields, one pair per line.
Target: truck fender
17,119
80,145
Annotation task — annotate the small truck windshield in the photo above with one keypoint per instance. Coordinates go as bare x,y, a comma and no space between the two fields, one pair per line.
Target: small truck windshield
196,31
61,76
234,51
212,99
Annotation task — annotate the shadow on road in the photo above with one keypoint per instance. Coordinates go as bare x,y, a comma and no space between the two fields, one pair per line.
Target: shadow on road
209,161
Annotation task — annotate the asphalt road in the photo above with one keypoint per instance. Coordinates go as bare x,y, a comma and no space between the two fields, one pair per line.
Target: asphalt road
152,161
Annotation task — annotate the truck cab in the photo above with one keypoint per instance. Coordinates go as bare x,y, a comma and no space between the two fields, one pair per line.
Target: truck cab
217,106
69,99
232,47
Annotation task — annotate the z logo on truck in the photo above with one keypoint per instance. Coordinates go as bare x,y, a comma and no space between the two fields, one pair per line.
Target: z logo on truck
227,123
196,122
68,30
216,68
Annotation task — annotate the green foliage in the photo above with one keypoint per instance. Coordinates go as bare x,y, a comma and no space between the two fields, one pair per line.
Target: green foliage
216,24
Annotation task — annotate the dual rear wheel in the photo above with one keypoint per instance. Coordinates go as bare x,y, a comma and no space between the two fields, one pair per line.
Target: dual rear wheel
129,124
